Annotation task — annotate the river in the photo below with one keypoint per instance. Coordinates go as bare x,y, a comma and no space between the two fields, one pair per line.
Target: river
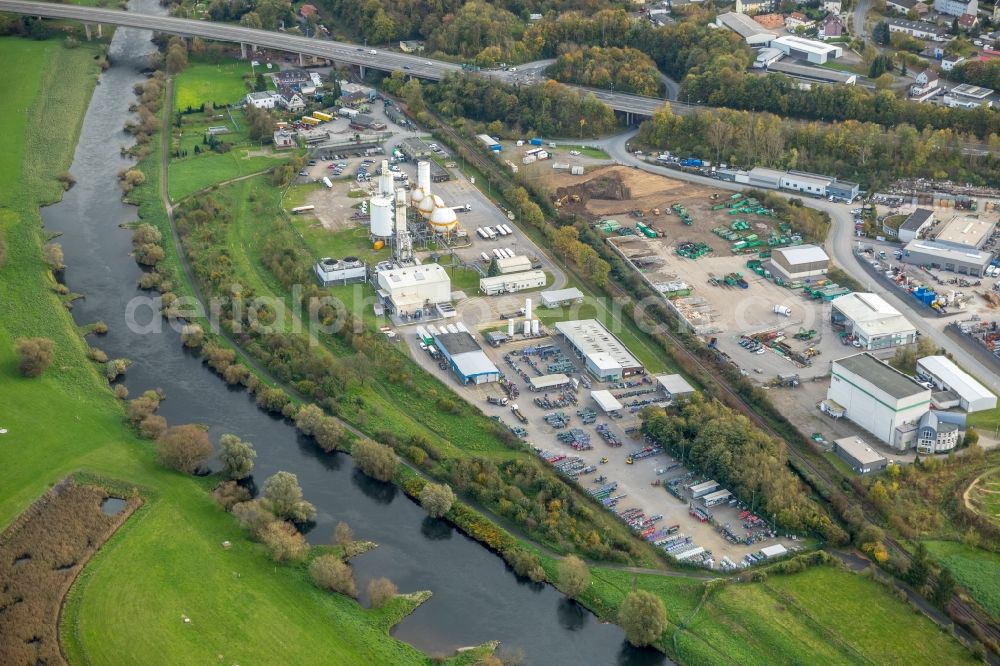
476,598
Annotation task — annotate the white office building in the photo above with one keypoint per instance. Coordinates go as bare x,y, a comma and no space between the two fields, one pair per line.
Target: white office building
878,398
810,50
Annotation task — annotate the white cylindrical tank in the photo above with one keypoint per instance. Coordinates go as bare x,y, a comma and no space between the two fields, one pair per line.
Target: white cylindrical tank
443,220
400,196
385,179
381,210
424,176
527,327
527,308
535,326
783,310
510,327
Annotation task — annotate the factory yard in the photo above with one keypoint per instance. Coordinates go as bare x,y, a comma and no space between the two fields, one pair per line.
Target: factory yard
584,421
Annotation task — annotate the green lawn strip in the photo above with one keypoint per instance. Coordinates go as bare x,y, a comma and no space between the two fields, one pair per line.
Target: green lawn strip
978,571
221,84
986,421
168,558
192,174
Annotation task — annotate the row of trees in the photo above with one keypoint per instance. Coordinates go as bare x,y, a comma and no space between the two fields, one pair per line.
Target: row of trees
627,69
863,151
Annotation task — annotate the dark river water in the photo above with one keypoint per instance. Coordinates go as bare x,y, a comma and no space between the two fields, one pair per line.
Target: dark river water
476,596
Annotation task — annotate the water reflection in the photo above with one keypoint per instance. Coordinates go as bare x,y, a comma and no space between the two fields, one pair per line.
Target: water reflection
436,529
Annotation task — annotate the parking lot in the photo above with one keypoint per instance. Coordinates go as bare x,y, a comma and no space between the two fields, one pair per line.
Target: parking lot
565,427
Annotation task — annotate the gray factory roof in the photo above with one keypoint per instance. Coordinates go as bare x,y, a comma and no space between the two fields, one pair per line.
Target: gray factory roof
882,375
916,219
859,450
457,343
949,253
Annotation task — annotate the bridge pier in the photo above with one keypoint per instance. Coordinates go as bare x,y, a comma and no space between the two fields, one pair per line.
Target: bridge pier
86,30
301,61
100,29
243,51
362,69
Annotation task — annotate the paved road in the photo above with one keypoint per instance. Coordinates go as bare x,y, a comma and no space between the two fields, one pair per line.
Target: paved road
859,15
340,52
839,245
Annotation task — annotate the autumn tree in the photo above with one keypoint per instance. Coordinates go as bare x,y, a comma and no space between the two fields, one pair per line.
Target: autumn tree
34,355
643,617
343,536
376,460
236,457
184,448
331,573
54,256
437,499
152,426
574,576
381,590
284,498
284,543
176,59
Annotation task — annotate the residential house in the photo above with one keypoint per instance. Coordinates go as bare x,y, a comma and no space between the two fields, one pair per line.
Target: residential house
906,6
283,139
935,51
291,101
948,63
752,7
261,100
923,83
918,29
834,6
956,7
797,20
831,27
291,77
305,11
968,21
411,46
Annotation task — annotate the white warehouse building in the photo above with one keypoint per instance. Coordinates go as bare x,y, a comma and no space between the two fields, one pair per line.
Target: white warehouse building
605,356
807,49
411,288
946,376
879,398
799,261
872,322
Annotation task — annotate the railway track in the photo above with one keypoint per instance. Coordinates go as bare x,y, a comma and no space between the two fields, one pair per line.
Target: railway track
798,459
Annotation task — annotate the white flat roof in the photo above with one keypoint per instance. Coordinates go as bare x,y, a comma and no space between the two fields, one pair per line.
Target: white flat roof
806,45
802,254
958,380
773,551
591,338
675,384
606,401
872,314
964,230
559,295
410,276
604,361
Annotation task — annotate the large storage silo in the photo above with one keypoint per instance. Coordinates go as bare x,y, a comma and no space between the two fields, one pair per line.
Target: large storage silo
382,216
424,176
429,203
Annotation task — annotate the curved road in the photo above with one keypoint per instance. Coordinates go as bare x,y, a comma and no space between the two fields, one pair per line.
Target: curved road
341,52
839,245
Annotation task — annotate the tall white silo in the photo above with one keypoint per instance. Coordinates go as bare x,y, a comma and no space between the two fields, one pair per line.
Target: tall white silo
381,211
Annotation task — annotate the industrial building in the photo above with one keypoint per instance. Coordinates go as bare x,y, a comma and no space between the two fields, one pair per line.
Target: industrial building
808,73
799,261
965,233
918,29
956,7
914,224
514,264
871,321
935,435
514,282
861,458
554,298
754,33
945,257
467,360
330,271
606,358
946,376
767,57
810,50
799,181
411,288
674,386
606,401
878,398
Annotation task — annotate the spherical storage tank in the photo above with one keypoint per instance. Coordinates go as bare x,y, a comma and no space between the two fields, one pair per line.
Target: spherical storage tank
416,196
429,203
443,220
381,212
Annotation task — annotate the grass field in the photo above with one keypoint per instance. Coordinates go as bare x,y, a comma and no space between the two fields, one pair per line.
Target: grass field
987,421
189,175
219,84
976,570
167,560
985,497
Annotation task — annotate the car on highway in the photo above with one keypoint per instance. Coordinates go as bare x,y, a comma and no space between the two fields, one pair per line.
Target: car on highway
574,152
406,66
303,173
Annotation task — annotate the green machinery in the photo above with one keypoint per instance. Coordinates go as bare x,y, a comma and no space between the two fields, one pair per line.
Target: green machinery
693,250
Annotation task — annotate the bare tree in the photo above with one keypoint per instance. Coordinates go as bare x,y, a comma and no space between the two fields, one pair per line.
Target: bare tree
34,355
184,448
381,590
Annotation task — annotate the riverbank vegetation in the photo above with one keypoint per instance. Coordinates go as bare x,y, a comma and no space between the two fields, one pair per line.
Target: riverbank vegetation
167,560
